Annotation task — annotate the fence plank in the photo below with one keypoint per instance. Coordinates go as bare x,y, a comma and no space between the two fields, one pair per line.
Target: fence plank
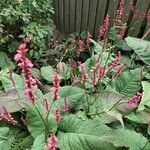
78,14
66,16
72,15
99,16
85,14
113,4
56,9
61,22
135,25
92,16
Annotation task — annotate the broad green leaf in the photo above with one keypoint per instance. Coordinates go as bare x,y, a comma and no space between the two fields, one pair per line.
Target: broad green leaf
128,83
142,117
7,82
12,102
97,46
47,73
72,94
39,143
82,135
140,47
5,62
37,123
145,101
127,138
64,71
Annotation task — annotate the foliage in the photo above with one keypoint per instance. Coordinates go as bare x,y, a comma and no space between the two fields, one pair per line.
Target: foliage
23,18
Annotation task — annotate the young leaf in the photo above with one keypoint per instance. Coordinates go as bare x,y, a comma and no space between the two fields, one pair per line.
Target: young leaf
127,138
47,73
39,142
128,83
145,101
37,124
140,47
82,135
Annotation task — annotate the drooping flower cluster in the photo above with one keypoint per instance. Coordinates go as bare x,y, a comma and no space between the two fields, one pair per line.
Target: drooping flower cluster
120,11
57,114
84,72
115,62
80,46
104,28
7,117
148,18
53,143
46,104
136,98
26,66
55,88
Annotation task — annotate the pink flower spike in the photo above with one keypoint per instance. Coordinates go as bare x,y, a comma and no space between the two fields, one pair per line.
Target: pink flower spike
57,115
102,72
46,104
52,143
135,99
84,72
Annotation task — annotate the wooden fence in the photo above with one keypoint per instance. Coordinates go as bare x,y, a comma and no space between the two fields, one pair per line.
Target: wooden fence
79,15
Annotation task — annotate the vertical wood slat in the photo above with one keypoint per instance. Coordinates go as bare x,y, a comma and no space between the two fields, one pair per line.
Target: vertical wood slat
92,16
72,15
61,22
85,14
56,9
135,25
112,8
66,16
99,16
78,14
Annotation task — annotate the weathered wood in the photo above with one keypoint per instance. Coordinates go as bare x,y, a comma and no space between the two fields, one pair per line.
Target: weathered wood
99,16
113,5
85,14
135,25
66,16
61,22
78,14
92,16
72,15
56,15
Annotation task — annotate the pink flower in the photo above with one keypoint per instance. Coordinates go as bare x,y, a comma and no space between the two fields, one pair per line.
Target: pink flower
120,11
84,72
57,114
115,62
26,67
104,28
46,104
136,98
55,88
80,47
102,72
119,71
53,143
7,117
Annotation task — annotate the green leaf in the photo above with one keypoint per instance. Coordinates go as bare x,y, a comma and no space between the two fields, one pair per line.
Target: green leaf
47,73
127,138
140,47
82,135
5,62
72,94
139,117
39,143
36,122
7,82
128,83
145,101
